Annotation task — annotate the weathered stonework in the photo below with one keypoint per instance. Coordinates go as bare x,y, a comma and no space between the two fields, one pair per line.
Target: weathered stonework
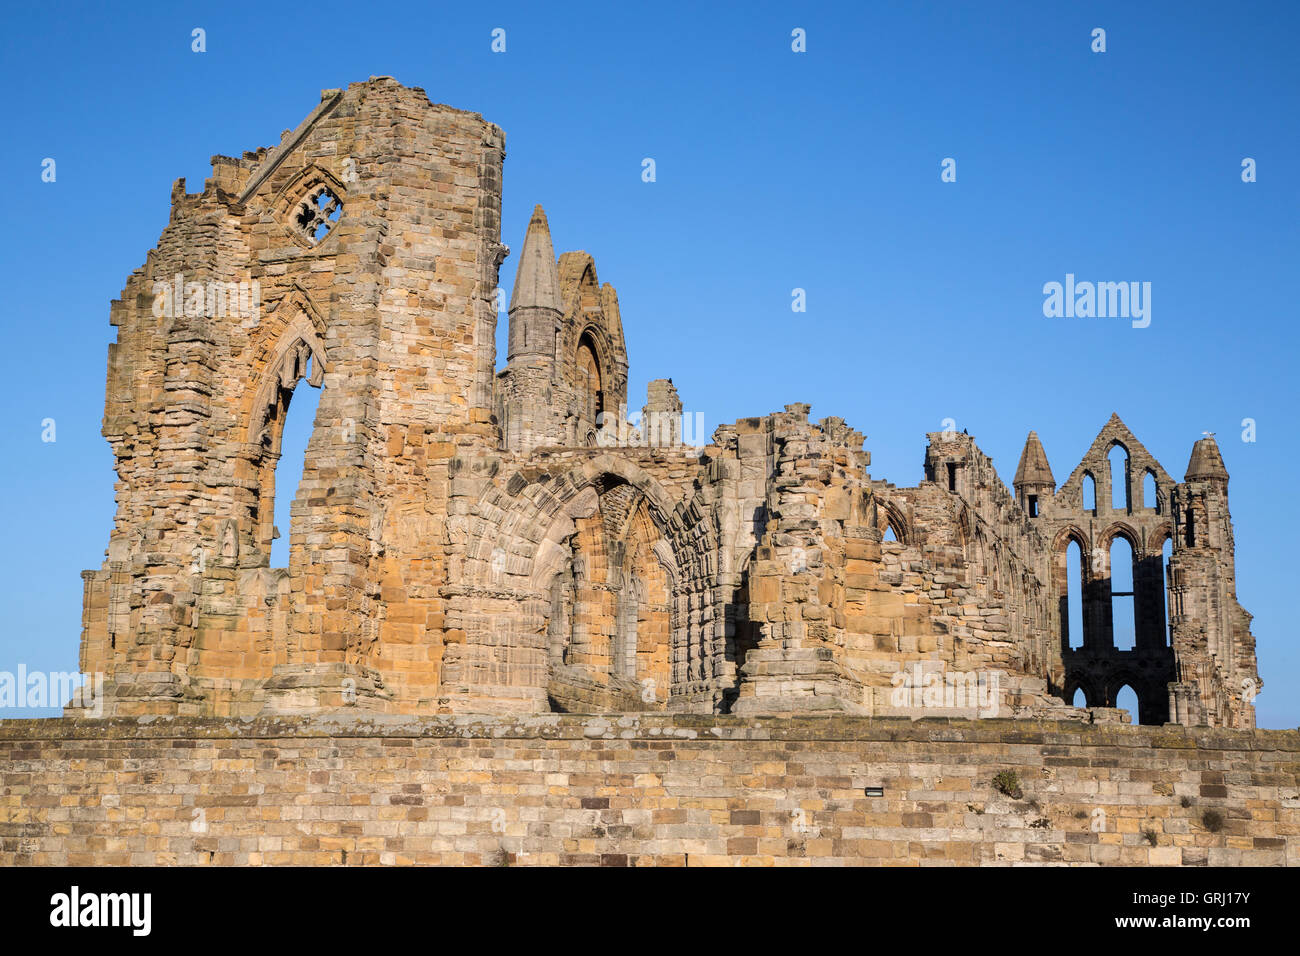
472,541
642,790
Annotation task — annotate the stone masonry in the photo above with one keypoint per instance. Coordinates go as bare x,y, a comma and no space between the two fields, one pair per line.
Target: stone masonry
643,790
468,540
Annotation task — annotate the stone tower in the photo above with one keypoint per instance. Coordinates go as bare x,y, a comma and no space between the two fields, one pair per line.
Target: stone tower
527,418
1033,481
1212,644
566,370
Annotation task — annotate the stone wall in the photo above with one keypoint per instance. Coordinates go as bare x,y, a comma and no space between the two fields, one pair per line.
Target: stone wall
642,789
389,307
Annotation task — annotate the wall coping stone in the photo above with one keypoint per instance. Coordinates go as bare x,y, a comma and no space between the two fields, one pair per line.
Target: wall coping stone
651,727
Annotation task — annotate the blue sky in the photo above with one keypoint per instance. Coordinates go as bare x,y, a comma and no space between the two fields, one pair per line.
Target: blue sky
775,170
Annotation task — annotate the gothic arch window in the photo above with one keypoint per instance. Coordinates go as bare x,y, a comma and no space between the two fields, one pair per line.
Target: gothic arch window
298,357
1150,494
299,421
892,524
1126,698
1119,467
1122,602
1072,596
1088,489
1167,555
301,358
590,394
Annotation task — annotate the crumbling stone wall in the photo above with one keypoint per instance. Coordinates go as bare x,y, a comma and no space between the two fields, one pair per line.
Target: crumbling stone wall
390,310
1192,667
1097,664
468,540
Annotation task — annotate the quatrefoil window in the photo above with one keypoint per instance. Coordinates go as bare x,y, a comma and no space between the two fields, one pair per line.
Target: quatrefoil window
317,214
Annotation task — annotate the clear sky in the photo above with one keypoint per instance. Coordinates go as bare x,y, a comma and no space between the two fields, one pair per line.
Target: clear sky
775,170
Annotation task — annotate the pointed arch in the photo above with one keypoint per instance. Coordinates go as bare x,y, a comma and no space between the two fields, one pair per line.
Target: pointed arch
964,531
891,517
1157,536
1150,490
1123,590
589,380
578,278
1121,492
291,347
1166,601
1070,582
299,354
534,527
1083,685
1127,698
1065,534
292,323
1120,529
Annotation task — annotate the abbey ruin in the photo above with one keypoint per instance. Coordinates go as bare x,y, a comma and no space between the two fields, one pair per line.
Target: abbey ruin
475,540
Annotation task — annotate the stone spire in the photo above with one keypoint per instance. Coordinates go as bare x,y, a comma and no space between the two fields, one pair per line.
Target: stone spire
1034,479
1033,468
537,281
1206,461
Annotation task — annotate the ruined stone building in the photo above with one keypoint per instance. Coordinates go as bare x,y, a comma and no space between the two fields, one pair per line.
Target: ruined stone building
467,539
